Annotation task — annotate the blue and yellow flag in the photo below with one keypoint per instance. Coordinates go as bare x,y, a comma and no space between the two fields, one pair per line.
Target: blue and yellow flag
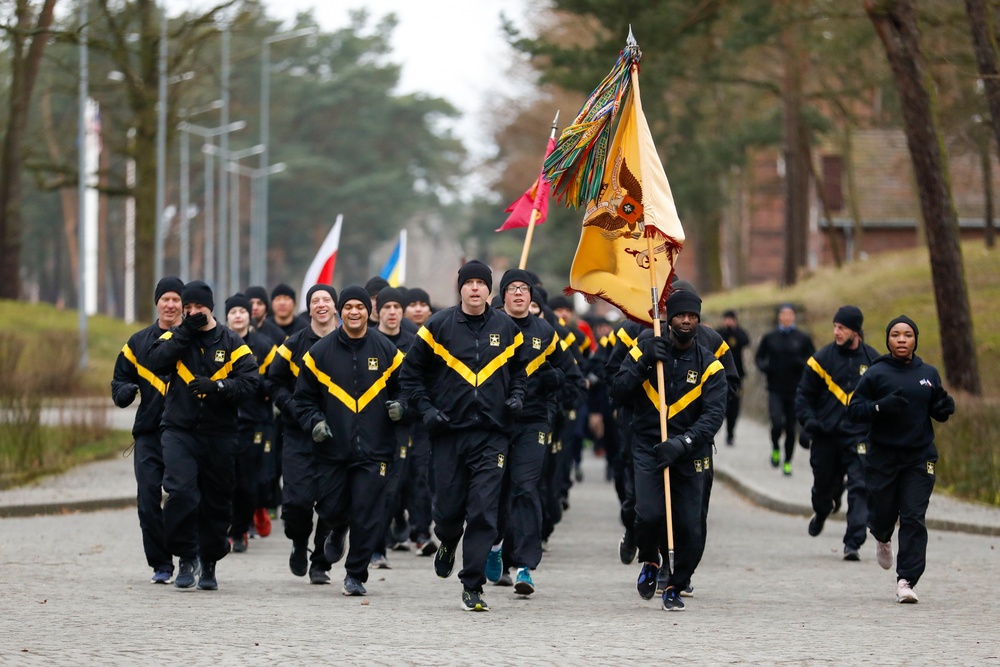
394,270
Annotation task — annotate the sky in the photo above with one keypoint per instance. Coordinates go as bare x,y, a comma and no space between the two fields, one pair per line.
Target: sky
453,49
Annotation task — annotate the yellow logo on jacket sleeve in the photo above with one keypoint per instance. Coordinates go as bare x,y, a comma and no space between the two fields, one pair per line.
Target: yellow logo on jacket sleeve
220,356
861,369
697,465
381,469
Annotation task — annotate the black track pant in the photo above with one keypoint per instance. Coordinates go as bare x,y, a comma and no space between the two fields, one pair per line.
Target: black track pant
628,479
520,517
833,459
781,410
148,464
199,476
687,482
417,490
392,495
468,472
299,493
268,488
732,413
352,495
900,482
249,449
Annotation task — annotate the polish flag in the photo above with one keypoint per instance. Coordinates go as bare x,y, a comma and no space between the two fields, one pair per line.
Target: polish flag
322,267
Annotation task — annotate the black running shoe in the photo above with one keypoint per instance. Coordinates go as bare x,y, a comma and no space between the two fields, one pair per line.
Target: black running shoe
187,570
207,581
333,547
318,575
816,524
851,553
444,560
646,583
353,586
473,600
298,561
627,549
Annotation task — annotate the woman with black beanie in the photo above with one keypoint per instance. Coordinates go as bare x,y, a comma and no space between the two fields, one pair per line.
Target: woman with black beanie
898,396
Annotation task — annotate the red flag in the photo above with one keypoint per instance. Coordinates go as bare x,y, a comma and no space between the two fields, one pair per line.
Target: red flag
536,198
325,262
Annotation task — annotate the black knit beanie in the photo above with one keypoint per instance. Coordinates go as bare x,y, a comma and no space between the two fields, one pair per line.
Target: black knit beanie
168,284
197,291
320,287
238,300
258,292
683,301
355,292
389,295
513,276
475,269
851,317
376,285
281,289
415,294
560,301
903,319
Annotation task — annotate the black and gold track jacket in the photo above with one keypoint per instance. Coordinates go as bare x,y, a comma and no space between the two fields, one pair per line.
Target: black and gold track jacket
132,367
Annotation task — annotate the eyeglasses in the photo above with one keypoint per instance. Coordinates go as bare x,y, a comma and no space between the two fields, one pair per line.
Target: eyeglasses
518,289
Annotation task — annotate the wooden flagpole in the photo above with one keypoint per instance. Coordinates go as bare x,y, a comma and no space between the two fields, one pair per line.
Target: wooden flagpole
654,291
523,264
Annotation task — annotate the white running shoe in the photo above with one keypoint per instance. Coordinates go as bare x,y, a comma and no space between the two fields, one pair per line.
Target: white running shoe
904,593
883,554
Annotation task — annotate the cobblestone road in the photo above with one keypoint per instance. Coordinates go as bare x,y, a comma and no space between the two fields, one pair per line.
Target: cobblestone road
74,592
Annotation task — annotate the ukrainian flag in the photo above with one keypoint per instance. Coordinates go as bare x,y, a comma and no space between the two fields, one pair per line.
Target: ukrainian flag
394,270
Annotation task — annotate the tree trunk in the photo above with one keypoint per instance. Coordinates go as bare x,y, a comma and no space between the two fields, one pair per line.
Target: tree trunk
896,25
983,26
796,168
987,165
26,58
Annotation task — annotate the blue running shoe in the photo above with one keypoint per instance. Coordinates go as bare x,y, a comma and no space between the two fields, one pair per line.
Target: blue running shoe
161,577
523,585
672,600
494,565
646,583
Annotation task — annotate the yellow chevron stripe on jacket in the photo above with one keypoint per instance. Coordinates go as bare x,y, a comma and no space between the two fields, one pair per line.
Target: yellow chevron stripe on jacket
722,350
267,360
475,379
624,337
286,354
687,399
568,340
535,363
185,373
146,374
338,392
834,388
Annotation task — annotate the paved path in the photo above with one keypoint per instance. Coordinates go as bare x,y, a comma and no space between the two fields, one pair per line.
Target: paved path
75,592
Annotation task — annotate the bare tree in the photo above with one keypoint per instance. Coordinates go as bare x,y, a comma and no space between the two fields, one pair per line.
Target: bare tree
896,24
28,36
983,25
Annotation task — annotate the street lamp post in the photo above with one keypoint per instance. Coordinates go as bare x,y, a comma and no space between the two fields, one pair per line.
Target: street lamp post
228,158
258,233
185,186
209,149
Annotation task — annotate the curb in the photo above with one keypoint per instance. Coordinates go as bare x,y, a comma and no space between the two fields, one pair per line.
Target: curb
42,509
795,509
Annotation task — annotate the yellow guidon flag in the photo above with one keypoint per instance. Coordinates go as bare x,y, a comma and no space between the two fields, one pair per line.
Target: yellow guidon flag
627,196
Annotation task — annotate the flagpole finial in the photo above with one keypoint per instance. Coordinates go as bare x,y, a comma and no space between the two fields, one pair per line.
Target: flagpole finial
555,121
632,46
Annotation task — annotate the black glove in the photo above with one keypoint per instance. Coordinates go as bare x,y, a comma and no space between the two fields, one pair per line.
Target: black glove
202,385
943,408
127,394
514,405
893,404
656,349
434,419
192,323
813,427
395,410
321,431
670,451
551,378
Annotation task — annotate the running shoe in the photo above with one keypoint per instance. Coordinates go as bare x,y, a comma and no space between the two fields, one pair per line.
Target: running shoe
494,565
646,583
524,585
473,600
444,560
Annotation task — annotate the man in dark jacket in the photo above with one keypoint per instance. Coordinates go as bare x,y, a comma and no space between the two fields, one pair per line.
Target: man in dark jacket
695,386
838,444
298,460
283,313
465,376
781,356
260,304
738,340
550,368
345,397
211,372
132,377
256,422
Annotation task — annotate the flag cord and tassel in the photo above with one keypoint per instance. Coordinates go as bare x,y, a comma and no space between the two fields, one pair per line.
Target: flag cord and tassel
535,212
